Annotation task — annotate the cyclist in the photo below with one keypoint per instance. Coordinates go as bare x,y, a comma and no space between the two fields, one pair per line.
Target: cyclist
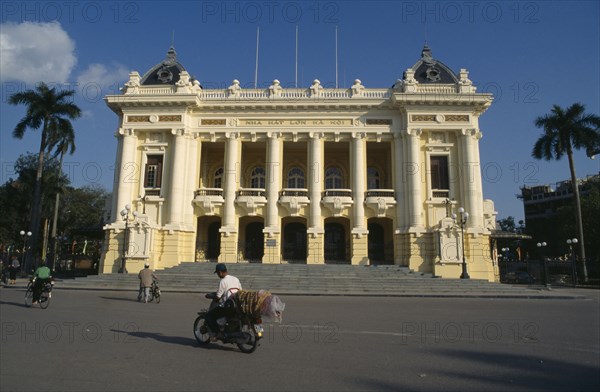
40,276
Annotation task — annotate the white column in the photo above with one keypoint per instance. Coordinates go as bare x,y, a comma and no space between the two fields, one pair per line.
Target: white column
273,180
114,208
399,182
191,181
127,169
470,167
178,155
414,172
231,175
315,183
359,178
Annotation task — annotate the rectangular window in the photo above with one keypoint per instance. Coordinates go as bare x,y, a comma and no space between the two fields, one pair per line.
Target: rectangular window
439,175
153,171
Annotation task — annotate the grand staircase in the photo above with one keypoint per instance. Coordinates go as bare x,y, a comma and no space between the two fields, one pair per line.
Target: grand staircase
301,279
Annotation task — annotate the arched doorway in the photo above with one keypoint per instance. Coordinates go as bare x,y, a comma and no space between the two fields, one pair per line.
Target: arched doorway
254,248
335,243
294,242
376,243
214,241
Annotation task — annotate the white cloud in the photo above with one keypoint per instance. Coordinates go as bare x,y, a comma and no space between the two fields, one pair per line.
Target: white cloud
107,79
35,52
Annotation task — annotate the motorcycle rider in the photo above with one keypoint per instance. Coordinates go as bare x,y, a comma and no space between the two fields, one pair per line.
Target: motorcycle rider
228,285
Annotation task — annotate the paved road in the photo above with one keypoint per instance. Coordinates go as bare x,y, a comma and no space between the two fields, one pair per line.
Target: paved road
92,340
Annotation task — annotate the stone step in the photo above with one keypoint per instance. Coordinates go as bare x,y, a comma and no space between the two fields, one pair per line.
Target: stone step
325,279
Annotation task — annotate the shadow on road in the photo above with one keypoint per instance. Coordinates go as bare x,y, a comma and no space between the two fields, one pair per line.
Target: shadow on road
183,341
120,299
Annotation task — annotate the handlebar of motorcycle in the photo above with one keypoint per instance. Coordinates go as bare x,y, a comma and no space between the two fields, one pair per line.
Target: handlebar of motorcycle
211,295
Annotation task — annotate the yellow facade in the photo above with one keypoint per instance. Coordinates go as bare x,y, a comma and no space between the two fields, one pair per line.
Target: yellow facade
359,176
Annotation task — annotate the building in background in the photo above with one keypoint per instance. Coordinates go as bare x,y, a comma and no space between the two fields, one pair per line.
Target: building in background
312,175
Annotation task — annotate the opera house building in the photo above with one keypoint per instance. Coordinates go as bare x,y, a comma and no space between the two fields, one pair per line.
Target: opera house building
312,175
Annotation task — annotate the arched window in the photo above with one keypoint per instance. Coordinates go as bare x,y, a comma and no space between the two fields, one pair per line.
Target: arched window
295,178
257,178
373,178
334,178
218,178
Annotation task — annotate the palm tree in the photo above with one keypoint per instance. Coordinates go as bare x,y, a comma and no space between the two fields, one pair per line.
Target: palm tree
565,130
63,141
50,110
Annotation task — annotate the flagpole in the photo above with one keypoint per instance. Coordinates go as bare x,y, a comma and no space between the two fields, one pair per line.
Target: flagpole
336,57
256,68
296,56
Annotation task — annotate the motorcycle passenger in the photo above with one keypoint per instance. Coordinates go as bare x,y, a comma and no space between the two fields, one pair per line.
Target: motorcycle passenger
228,285
40,276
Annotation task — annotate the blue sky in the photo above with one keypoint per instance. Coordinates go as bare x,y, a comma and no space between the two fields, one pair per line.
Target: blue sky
529,54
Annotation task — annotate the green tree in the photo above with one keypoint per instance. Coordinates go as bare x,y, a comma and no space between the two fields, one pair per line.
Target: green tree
507,224
51,110
15,195
564,131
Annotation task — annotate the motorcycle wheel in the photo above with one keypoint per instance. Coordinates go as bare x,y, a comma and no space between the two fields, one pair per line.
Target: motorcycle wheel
157,295
200,326
250,345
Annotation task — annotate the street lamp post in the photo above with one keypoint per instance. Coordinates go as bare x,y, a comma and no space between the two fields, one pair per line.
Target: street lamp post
571,242
125,215
462,221
542,247
505,258
25,237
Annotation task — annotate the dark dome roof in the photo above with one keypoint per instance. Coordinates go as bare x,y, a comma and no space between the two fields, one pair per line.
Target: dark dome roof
165,72
429,70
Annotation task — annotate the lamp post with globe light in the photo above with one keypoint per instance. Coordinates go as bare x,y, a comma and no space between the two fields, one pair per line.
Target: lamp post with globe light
542,247
462,221
571,242
25,235
125,216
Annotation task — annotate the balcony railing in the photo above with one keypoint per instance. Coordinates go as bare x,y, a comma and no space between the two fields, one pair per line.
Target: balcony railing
294,192
152,191
440,193
380,193
209,192
256,192
337,193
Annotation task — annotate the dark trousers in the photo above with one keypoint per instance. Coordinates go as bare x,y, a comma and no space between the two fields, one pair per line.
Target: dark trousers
218,312
37,288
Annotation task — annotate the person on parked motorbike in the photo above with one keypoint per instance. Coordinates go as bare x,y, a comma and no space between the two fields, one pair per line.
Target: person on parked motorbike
228,285
146,277
40,276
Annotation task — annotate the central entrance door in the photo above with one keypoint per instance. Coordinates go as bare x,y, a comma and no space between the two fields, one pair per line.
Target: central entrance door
294,242
254,249
335,243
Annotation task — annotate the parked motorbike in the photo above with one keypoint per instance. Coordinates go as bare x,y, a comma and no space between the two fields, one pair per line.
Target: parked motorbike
239,328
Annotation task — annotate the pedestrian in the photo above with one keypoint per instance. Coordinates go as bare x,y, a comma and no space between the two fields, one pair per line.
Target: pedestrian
146,277
13,267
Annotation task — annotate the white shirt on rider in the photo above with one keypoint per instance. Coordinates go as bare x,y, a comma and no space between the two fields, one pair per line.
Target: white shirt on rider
228,285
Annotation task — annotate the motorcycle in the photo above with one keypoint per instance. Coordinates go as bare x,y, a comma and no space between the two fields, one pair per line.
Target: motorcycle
238,328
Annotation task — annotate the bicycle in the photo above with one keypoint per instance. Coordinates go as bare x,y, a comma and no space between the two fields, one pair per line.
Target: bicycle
153,293
45,294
